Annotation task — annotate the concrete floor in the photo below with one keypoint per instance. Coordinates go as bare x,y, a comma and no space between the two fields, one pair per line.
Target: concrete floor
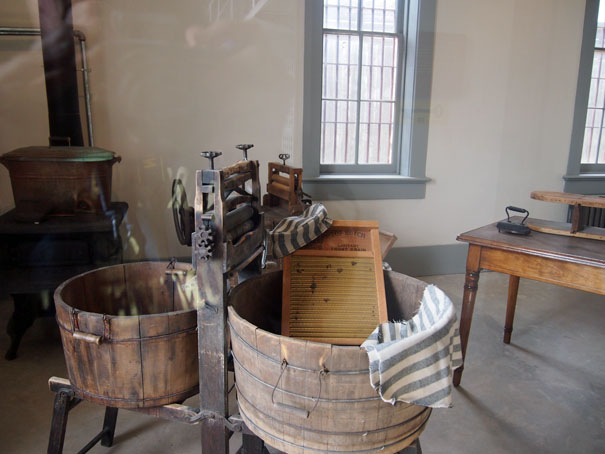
543,393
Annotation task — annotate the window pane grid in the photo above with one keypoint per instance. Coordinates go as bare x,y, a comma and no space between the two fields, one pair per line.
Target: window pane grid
360,80
378,15
341,14
593,134
593,150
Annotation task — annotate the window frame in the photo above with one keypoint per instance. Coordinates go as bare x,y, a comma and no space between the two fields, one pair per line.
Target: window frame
409,178
584,178
373,169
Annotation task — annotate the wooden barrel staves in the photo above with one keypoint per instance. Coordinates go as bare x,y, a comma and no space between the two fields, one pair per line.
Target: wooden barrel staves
305,397
129,334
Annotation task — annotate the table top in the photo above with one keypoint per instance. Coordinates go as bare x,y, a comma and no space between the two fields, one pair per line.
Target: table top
78,223
597,201
571,249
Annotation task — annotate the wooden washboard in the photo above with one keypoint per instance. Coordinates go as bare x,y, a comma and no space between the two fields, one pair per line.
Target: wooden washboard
333,288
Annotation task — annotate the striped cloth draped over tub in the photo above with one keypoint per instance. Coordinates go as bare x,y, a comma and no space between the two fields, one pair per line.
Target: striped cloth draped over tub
294,232
413,361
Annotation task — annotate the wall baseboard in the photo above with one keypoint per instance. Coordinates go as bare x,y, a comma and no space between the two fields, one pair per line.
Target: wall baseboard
429,260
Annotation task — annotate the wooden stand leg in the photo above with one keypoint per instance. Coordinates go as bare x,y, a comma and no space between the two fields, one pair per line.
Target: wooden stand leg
471,283
213,353
109,426
414,448
511,304
251,444
59,421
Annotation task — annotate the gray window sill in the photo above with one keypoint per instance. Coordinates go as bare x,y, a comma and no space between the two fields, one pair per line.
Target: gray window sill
365,187
585,183
585,177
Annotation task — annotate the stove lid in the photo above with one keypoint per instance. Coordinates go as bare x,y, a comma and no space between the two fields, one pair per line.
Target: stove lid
63,154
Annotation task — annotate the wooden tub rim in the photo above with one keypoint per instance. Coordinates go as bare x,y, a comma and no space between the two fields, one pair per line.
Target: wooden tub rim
58,299
232,312
124,319
351,348
291,366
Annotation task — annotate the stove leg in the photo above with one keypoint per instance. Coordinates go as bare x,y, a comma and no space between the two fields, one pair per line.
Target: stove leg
109,426
61,408
24,314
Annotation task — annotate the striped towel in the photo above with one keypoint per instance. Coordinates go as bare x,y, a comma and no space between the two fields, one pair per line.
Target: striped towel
412,361
294,232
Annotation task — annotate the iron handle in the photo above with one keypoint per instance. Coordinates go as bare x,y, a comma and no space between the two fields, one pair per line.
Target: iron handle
517,210
87,337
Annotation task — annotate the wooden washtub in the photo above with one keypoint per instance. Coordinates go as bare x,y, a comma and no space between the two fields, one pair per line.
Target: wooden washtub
305,397
129,334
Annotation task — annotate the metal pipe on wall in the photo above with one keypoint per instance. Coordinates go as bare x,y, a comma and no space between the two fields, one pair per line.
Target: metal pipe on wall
82,38
59,59
24,31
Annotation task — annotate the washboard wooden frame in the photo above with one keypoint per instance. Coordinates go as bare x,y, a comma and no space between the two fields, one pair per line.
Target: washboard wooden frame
333,288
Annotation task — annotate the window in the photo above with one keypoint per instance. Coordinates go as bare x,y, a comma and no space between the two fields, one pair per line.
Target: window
360,69
586,166
368,73
593,150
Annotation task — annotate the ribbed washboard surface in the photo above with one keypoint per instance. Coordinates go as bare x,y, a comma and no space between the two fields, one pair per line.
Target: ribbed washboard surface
333,288
332,297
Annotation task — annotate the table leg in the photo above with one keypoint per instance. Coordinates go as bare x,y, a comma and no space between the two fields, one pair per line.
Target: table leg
471,284
511,303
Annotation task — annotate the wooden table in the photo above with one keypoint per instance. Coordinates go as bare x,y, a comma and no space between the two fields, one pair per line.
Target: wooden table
562,260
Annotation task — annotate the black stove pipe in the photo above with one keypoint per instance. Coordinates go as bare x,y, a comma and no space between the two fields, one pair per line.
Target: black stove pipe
58,53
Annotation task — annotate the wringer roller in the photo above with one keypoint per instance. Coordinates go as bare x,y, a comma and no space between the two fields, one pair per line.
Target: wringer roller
182,213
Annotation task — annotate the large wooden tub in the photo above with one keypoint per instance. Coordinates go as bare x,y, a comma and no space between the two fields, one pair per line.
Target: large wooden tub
129,334
306,397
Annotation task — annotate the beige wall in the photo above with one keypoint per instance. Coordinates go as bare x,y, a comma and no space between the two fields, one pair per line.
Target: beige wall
504,82
23,112
169,82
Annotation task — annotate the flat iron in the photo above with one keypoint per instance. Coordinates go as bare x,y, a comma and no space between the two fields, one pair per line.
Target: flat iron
516,228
